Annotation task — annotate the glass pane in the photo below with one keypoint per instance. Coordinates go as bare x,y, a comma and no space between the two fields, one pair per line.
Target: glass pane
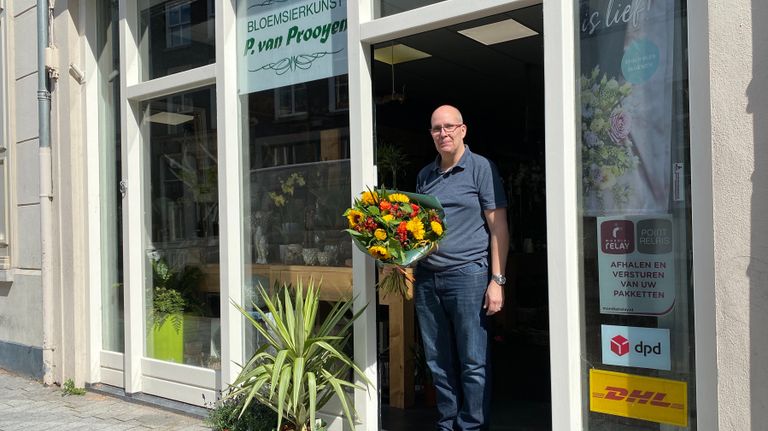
108,53
183,298
174,36
296,188
392,7
637,247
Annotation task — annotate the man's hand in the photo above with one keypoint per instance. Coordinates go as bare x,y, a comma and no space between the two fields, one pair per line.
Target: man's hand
494,298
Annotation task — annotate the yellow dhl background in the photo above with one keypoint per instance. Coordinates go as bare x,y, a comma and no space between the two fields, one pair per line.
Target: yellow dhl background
676,394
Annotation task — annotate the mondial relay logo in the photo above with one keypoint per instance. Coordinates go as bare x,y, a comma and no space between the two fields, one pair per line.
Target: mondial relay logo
617,237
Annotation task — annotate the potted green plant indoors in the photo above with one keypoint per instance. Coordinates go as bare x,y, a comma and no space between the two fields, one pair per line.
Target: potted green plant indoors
169,302
302,364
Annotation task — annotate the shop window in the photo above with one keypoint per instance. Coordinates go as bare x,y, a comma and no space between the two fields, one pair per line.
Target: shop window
637,246
175,35
110,174
183,292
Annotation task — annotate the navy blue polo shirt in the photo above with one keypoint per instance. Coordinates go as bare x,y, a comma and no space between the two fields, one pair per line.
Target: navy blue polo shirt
465,191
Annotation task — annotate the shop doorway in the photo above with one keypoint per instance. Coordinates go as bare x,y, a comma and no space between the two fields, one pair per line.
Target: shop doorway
492,69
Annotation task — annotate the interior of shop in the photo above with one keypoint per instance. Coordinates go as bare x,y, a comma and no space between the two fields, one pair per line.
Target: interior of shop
492,70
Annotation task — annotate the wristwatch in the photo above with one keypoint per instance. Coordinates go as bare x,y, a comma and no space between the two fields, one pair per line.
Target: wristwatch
499,279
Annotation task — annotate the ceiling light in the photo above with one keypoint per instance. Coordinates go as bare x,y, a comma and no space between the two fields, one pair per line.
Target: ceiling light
395,54
170,118
502,31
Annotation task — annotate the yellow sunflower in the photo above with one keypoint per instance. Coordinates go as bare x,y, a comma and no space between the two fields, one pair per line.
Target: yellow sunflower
354,217
369,198
416,227
380,234
437,228
379,252
399,197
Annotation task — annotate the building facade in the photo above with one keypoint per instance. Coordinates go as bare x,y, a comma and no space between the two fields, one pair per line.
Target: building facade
185,151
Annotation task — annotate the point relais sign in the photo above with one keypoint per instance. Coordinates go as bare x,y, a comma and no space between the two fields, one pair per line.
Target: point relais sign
285,42
636,264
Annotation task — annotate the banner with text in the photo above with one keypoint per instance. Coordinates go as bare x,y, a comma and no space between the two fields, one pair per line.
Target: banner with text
283,42
636,265
627,122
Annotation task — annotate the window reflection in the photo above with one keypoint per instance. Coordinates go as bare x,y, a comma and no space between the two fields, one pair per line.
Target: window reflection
183,296
296,145
175,35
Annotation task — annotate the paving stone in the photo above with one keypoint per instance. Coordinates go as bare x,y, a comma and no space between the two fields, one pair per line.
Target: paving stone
27,405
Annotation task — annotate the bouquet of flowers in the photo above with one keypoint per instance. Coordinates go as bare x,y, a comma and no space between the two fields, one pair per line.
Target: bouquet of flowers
396,228
607,148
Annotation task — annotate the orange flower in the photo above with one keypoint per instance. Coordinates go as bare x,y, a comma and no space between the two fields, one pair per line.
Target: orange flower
385,205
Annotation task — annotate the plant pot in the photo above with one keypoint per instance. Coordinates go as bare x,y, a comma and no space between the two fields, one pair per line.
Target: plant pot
168,340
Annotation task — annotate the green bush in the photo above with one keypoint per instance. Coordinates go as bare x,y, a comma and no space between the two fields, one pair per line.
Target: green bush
257,417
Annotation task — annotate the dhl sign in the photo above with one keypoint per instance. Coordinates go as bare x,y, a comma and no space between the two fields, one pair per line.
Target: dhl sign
638,397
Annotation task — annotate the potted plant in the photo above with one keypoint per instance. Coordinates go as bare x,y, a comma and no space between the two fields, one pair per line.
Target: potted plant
302,364
171,298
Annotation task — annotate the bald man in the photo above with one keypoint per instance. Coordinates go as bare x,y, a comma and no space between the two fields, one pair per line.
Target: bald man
460,285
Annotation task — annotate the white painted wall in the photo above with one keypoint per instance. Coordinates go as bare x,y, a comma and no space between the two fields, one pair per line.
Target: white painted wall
20,320
738,57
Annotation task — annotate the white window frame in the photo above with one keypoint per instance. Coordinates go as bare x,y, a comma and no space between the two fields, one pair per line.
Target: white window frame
565,308
140,373
563,220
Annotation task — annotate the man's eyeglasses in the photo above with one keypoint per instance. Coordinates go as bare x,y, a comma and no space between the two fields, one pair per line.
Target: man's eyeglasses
449,128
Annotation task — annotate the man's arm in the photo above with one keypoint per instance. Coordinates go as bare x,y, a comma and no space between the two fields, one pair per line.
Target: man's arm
497,225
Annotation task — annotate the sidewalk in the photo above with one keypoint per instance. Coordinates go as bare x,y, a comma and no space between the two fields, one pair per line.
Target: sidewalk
28,405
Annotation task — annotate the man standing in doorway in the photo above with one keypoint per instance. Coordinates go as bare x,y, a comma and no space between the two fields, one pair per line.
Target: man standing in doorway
453,291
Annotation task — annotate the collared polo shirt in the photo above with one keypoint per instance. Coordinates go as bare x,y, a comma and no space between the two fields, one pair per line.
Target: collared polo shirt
472,186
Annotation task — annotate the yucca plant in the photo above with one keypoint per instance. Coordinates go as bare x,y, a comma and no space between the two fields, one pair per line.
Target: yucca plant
301,365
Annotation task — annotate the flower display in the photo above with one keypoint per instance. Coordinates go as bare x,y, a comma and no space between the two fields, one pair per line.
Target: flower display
397,229
607,150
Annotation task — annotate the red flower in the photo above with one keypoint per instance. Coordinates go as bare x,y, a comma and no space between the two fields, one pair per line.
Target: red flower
385,205
414,210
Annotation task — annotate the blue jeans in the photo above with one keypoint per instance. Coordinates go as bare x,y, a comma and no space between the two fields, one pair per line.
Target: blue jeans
453,325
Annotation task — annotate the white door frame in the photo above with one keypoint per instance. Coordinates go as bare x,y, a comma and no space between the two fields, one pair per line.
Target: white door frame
563,228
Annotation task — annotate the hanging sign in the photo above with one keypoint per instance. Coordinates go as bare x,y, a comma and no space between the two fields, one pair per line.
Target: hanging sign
282,42
630,396
636,265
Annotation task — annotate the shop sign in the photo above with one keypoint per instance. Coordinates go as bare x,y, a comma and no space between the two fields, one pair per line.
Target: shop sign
636,265
282,43
638,397
630,346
